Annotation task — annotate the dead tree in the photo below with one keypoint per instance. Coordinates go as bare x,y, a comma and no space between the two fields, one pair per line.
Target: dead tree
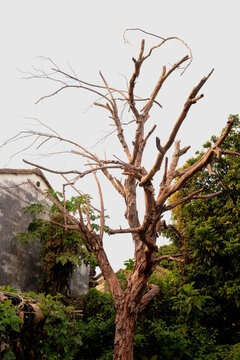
138,293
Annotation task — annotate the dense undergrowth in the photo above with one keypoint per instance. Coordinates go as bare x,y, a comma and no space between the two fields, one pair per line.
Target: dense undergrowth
169,328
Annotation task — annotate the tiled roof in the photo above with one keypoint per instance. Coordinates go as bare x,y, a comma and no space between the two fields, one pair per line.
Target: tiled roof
27,172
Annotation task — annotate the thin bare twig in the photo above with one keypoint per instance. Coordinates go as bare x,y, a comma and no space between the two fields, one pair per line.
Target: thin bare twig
71,86
164,40
121,92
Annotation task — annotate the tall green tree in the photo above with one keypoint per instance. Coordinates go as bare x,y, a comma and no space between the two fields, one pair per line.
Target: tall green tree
208,231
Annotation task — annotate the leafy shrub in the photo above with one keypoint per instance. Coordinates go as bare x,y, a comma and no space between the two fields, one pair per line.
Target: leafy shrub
54,338
62,334
9,328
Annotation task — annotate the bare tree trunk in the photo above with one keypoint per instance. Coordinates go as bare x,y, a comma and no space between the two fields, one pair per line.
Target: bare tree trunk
128,307
125,324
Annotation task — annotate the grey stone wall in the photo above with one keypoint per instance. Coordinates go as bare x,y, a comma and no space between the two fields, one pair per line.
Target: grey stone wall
20,265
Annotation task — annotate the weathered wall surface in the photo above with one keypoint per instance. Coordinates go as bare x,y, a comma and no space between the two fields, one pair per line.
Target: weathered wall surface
20,265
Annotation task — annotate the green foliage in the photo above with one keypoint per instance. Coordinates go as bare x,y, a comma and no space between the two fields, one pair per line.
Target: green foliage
35,209
57,337
189,304
61,252
96,328
71,204
169,328
9,328
224,352
159,332
129,264
9,320
211,237
61,338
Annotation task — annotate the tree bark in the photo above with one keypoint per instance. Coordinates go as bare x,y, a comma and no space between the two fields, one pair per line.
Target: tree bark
125,324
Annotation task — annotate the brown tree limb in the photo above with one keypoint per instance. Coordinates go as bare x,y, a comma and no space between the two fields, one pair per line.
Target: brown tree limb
160,82
80,174
176,257
84,155
219,152
139,141
172,227
148,135
124,231
154,290
230,152
65,226
95,244
102,219
64,206
80,215
191,100
113,102
171,174
148,106
138,230
57,137
187,173
138,64
164,174
168,39
203,161
114,112
138,29
182,200
116,183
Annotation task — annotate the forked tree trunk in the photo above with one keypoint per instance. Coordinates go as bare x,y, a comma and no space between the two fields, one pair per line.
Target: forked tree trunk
125,324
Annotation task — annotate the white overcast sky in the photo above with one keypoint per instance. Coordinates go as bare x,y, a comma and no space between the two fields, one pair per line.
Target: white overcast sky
88,36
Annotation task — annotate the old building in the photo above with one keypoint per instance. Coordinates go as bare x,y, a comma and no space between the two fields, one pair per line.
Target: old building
20,265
